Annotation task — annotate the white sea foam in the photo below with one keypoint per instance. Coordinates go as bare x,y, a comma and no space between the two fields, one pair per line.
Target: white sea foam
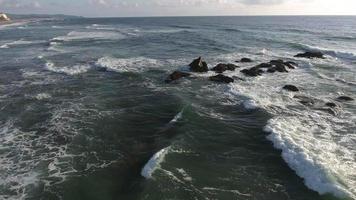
317,159
250,104
177,117
310,138
43,96
136,64
81,35
72,70
154,163
30,159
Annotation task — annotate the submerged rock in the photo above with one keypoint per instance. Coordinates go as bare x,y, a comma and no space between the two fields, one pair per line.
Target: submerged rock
176,75
310,55
345,98
220,68
331,105
307,101
198,65
254,71
221,79
276,62
290,64
246,60
264,65
291,88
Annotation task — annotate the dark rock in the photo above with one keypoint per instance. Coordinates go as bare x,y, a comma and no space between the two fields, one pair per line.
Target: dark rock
221,79
310,55
331,105
198,65
264,65
102,69
345,98
281,68
254,71
246,60
277,68
291,88
276,62
239,78
272,70
176,75
290,64
220,68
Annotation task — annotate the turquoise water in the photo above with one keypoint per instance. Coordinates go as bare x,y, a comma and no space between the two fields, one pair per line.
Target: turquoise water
86,114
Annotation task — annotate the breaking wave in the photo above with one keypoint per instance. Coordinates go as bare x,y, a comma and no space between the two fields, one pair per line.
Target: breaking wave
312,140
73,70
333,53
80,36
137,64
20,43
154,163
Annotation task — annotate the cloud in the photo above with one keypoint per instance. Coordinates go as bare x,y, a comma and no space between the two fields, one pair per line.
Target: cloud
18,4
262,2
99,2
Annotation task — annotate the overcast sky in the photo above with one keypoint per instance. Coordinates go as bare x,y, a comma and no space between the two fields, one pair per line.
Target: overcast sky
106,8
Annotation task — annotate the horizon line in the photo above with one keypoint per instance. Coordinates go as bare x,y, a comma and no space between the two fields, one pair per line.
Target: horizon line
157,16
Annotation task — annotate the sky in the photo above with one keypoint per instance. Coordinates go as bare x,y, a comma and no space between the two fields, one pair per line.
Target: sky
128,8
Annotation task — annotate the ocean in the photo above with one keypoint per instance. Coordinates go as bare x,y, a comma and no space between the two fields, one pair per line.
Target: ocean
86,113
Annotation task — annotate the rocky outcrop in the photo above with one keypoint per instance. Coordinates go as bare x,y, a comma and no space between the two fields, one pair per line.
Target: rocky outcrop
220,68
272,67
291,88
345,98
331,104
290,64
221,79
198,65
4,17
254,71
176,75
310,55
246,60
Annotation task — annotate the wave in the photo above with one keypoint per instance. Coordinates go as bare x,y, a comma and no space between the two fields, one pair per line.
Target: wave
177,117
231,30
80,36
137,64
14,24
20,43
310,138
154,163
296,30
346,37
333,53
316,167
73,70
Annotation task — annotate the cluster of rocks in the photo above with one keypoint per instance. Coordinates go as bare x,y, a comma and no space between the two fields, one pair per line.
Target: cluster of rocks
200,66
328,106
270,67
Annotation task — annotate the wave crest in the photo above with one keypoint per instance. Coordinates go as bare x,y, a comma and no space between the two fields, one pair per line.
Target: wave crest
137,64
